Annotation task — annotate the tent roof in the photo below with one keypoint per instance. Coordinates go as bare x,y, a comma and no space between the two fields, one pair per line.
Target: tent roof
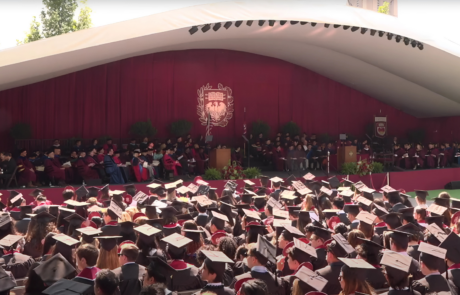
422,83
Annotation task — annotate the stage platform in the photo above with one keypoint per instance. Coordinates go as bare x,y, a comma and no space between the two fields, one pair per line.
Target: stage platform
430,179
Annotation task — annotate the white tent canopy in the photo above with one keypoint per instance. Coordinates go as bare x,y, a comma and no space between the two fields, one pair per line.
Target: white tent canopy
422,83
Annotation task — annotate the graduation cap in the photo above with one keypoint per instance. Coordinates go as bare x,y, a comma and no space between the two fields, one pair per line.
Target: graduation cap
64,242
250,214
16,198
93,191
249,183
371,246
43,215
347,183
203,190
310,278
329,213
290,179
82,193
266,249
347,195
357,268
105,189
436,209
340,246
130,189
7,282
400,236
246,198
444,202
54,269
293,231
89,233
279,213
154,186
326,191
194,235
407,212
177,243
437,232
379,211
431,253
108,242
450,244
455,204
303,249
202,182
276,181
183,190
308,176
216,260
273,203
25,210
364,201
114,210
366,217
322,232
334,182
10,241
421,194
68,287
147,232
53,210
438,220
409,228
397,265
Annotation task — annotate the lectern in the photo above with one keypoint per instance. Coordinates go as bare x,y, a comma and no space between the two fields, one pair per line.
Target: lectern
219,158
345,154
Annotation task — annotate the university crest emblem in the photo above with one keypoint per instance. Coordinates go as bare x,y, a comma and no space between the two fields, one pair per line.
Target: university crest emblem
215,105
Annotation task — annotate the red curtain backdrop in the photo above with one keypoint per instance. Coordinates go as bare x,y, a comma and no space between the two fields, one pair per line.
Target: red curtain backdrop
162,87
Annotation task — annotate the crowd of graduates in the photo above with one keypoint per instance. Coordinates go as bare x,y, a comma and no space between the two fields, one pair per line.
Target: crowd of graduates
291,236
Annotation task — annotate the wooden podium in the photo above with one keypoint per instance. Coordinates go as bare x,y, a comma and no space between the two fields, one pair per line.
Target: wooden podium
219,158
345,154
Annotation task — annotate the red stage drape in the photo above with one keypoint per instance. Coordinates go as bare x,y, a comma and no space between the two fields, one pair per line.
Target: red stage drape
162,87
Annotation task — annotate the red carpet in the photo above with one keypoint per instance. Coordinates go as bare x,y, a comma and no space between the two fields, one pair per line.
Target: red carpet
408,180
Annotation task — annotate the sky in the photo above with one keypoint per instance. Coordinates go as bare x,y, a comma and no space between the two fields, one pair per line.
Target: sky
442,16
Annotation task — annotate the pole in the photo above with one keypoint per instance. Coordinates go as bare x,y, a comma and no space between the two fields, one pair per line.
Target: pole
328,154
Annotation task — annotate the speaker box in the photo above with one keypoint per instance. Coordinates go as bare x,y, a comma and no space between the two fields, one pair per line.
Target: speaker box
452,185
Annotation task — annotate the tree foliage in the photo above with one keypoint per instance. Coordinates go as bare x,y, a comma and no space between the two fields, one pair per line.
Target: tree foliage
292,128
143,129
21,131
181,127
57,18
260,127
385,8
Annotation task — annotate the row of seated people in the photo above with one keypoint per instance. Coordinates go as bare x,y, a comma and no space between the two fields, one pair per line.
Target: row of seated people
415,156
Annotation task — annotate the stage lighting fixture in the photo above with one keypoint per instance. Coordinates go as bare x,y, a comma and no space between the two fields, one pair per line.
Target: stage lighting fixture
398,38
354,29
216,27
206,28
406,41
228,25
261,22
336,26
249,23
414,43
420,46
193,30
373,32
303,23
283,22
346,27
381,33
389,36
238,23
293,22
363,30
326,25
271,23
313,24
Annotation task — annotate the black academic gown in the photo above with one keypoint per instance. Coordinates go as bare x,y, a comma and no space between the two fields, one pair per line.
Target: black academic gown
415,271
431,284
130,277
401,292
320,261
454,278
18,264
218,290
413,252
111,230
397,207
184,280
376,278
331,274
201,220
240,268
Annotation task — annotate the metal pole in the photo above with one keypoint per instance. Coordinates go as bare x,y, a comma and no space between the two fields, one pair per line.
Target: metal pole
328,154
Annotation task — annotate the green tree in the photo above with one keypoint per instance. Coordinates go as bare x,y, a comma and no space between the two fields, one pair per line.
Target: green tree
385,8
34,33
57,18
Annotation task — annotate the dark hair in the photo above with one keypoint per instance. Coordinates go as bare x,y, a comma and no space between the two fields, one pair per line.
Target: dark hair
228,246
211,269
241,251
259,257
338,202
106,281
218,223
430,261
37,230
49,242
401,244
155,272
254,287
394,199
431,239
89,252
341,228
155,289
367,229
372,257
421,212
395,281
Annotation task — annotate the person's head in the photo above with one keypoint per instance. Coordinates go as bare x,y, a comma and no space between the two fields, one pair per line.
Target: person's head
255,258
86,256
110,152
396,278
241,253
154,289
228,246
338,203
108,258
353,281
50,154
129,253
23,153
398,242
109,216
316,241
420,214
56,142
341,228
106,283
153,275
367,229
34,284
210,272
429,263
217,224
353,236
254,287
